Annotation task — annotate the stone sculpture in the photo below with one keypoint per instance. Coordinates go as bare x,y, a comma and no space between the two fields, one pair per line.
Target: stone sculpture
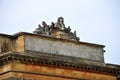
59,25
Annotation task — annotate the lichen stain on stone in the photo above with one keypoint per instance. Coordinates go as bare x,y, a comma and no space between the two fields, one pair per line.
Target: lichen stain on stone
4,47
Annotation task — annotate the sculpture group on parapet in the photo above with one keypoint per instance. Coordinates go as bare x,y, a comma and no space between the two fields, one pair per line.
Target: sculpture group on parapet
59,25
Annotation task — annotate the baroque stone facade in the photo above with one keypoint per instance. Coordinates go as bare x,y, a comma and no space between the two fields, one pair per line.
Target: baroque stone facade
52,55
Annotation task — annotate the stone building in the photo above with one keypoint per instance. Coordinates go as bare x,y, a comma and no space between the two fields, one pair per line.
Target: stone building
53,52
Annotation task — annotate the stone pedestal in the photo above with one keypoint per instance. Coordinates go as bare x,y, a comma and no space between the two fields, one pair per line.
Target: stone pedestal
60,34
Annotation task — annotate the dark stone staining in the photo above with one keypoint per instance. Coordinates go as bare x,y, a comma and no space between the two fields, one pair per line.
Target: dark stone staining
59,25
18,78
4,47
118,77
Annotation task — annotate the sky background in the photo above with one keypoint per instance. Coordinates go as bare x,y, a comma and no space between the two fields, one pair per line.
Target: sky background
96,21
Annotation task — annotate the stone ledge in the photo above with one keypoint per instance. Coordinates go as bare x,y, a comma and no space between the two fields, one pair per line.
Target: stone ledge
50,37
36,73
70,59
26,33
6,35
27,59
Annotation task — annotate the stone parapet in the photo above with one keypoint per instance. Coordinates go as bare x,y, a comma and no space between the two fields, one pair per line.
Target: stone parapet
22,42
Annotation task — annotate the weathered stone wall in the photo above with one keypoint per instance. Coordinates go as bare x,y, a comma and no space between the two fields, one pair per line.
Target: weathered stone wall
4,69
39,72
6,43
19,44
23,67
10,43
31,42
78,49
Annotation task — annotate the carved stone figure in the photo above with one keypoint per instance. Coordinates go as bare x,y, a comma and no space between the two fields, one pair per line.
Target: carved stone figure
39,30
46,28
60,24
51,27
73,36
68,30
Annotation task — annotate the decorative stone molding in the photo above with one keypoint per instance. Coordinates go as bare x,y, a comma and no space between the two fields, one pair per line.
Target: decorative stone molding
43,61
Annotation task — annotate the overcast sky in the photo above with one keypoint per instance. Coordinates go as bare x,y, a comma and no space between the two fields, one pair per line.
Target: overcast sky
96,21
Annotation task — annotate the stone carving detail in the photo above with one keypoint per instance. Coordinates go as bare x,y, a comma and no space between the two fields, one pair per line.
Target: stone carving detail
45,29
59,25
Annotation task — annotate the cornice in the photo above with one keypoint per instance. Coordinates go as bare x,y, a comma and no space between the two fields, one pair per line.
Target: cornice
27,59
